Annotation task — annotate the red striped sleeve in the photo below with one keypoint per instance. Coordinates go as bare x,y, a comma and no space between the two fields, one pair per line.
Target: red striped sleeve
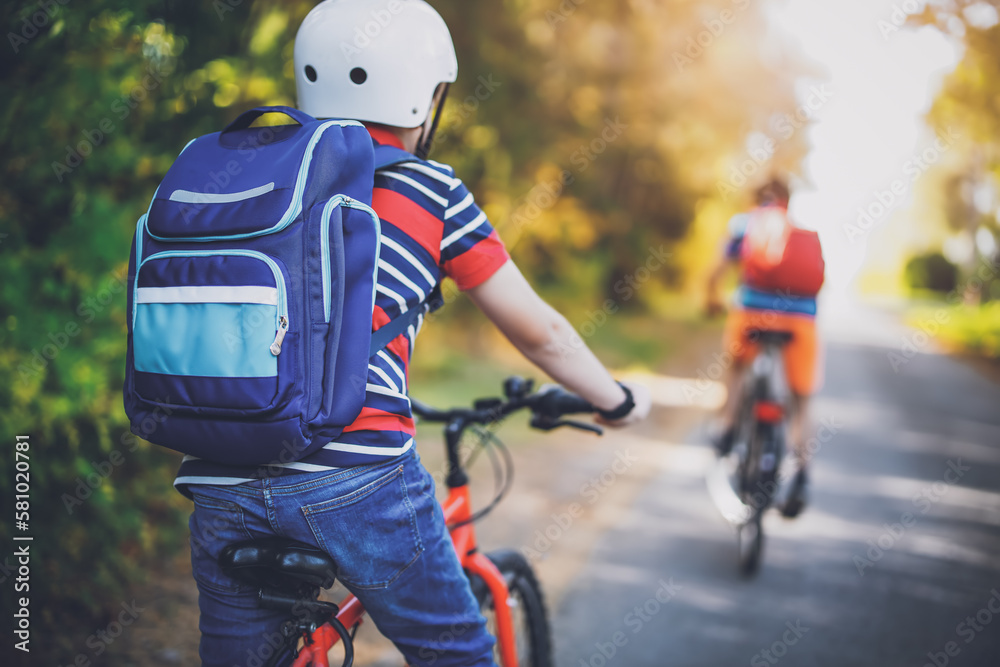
478,263
423,227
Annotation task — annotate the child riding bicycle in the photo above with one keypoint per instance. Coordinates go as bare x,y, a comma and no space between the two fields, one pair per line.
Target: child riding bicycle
365,499
782,269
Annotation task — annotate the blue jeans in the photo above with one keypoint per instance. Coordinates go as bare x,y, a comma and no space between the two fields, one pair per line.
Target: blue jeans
384,529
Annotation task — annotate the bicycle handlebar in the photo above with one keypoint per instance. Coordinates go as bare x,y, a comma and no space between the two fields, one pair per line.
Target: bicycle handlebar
547,406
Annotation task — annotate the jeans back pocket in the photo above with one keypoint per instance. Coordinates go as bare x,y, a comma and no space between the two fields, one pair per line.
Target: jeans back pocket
371,532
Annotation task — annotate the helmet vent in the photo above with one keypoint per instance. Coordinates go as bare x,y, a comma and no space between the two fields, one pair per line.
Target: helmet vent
358,75
311,73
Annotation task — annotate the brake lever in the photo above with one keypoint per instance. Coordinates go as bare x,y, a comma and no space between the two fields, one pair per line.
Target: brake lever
549,424
583,426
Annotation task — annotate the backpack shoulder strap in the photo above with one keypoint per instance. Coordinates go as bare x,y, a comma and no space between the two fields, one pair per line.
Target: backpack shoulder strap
388,333
386,156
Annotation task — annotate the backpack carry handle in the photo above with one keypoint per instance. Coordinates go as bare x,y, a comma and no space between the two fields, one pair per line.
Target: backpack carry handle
244,120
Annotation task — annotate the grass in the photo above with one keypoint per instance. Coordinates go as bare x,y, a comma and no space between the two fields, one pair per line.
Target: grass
972,329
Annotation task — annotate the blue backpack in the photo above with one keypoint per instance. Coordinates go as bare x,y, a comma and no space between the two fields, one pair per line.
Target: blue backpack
252,279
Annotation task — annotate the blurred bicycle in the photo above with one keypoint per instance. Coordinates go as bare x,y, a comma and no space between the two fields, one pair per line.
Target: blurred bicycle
745,482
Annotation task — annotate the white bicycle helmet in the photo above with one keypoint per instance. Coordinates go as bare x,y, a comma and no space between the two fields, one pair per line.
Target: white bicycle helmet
373,60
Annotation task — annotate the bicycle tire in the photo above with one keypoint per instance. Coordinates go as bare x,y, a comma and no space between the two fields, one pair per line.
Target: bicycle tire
759,484
750,546
758,488
532,632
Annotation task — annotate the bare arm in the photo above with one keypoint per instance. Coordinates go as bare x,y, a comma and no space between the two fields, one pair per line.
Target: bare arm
545,337
713,302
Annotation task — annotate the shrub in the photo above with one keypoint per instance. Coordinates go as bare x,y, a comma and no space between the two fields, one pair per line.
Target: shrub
932,271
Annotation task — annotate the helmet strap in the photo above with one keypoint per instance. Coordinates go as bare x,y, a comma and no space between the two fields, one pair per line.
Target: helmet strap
427,137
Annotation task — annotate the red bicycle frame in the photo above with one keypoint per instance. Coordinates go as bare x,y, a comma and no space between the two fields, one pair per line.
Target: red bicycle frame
457,512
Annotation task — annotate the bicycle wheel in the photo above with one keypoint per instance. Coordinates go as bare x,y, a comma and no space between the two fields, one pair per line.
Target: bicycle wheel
527,605
758,477
750,544
758,483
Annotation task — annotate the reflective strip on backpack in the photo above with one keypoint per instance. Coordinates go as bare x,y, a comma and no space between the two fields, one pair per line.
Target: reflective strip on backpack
191,197
208,294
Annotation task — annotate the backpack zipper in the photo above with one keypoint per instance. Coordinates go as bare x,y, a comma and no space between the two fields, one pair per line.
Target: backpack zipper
344,200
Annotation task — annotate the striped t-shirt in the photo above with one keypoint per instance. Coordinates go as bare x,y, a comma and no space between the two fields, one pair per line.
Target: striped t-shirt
431,229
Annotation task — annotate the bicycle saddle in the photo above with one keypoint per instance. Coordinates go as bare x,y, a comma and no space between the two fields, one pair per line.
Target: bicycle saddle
765,336
278,563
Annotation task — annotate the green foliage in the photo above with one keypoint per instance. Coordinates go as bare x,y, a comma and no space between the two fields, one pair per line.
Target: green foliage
976,329
932,271
972,329
969,105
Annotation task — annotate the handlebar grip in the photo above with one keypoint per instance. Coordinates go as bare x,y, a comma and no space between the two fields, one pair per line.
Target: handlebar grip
558,402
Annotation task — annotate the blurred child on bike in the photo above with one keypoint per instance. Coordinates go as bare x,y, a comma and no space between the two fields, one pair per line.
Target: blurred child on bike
786,303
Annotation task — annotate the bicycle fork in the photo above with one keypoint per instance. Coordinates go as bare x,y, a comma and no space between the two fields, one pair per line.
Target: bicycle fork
475,562
495,581
464,538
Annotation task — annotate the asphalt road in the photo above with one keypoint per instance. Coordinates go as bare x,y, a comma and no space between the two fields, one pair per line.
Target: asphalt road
896,561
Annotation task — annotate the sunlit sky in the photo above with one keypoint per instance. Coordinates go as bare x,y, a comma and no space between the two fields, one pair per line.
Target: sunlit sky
882,86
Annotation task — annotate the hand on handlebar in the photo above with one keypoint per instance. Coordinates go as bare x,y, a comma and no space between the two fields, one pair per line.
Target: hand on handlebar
714,307
641,398
553,403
